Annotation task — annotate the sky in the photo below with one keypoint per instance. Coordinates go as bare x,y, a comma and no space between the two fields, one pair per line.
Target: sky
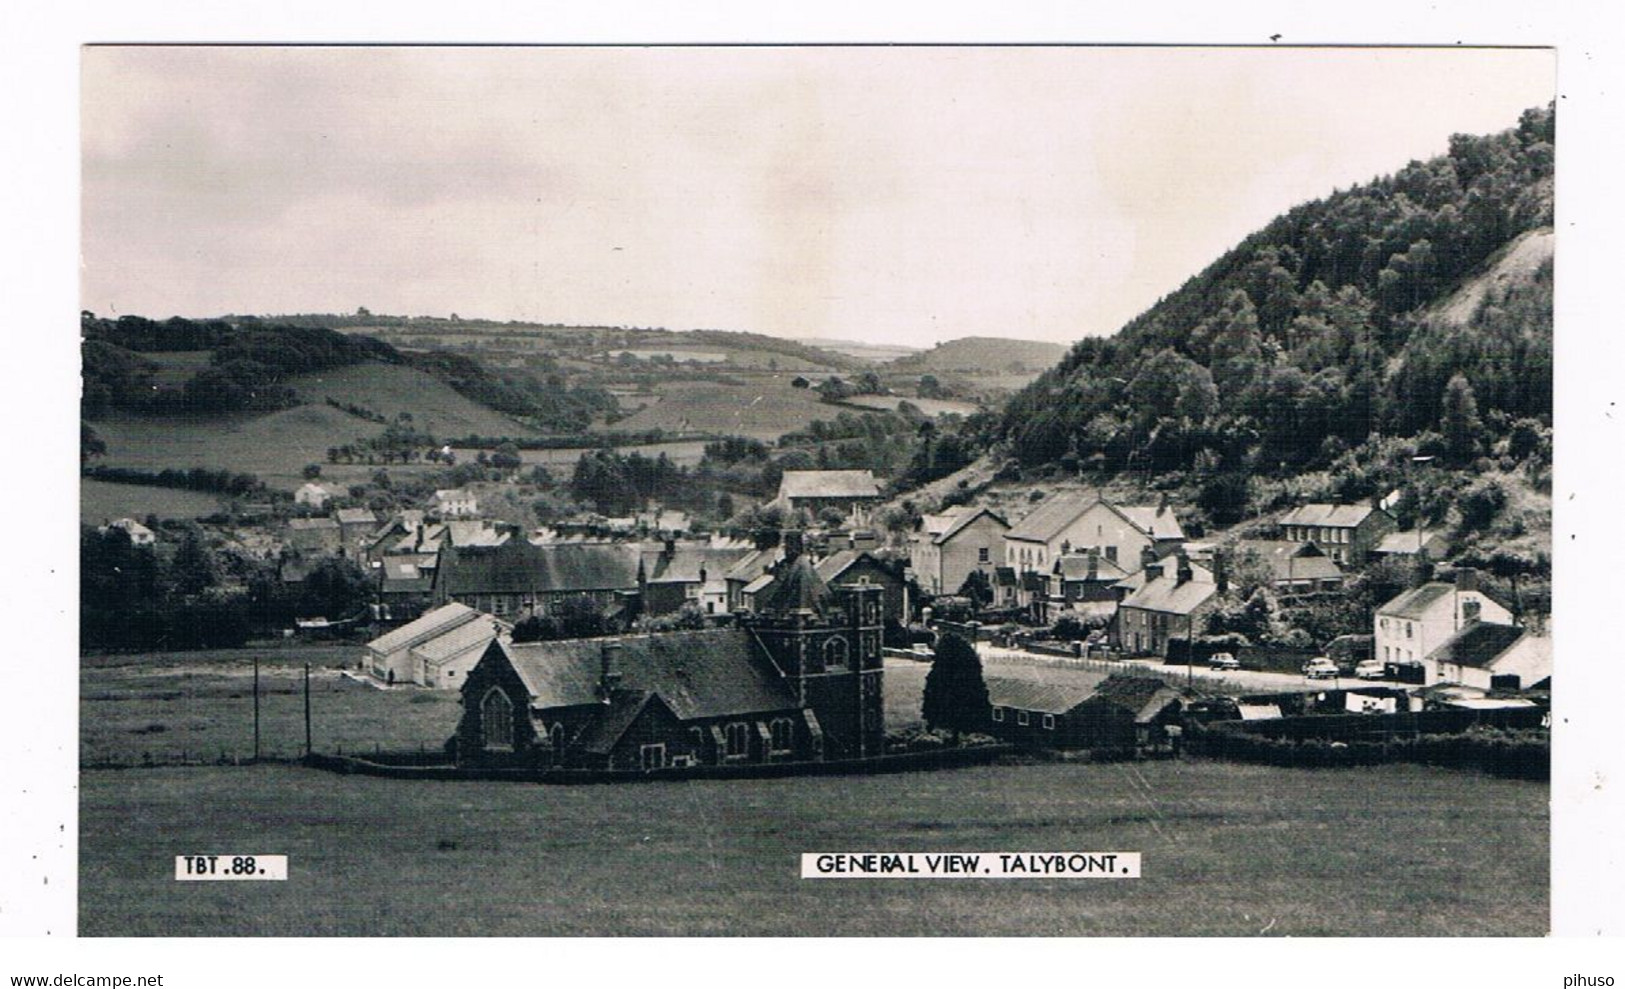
896,196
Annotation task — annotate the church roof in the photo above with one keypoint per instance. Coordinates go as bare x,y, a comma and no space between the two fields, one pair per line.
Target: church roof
797,590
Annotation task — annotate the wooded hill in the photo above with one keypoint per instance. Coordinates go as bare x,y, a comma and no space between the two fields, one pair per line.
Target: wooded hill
1342,322
250,363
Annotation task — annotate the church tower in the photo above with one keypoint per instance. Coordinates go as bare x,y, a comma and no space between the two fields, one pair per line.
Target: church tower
826,643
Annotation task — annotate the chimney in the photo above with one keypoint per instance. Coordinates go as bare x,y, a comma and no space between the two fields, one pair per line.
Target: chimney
1153,572
668,550
1182,573
1148,556
1466,579
791,540
609,668
1162,505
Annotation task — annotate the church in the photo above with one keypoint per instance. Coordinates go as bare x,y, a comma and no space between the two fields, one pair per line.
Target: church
799,681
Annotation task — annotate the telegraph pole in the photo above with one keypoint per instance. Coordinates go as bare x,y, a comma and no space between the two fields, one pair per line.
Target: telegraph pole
256,707
307,709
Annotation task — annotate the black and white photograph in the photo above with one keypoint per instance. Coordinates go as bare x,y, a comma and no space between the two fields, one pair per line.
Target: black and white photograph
964,494
606,491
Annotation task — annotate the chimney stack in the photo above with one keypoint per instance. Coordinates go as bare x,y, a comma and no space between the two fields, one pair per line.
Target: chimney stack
1148,556
609,668
1182,571
1466,579
1153,572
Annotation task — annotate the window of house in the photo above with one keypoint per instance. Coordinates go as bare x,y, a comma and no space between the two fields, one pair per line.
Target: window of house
1111,553
1049,721
738,739
653,756
998,714
982,555
696,737
1407,630
835,652
1022,718
783,734
496,720
499,606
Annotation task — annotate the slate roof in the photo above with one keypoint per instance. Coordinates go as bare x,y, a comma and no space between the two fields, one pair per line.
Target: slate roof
1075,566
1415,602
831,567
1336,516
356,516
1293,561
1063,508
705,674
685,563
946,524
753,564
1145,696
519,567
797,589
1036,695
308,525
440,620
1478,645
1411,541
829,484
1166,594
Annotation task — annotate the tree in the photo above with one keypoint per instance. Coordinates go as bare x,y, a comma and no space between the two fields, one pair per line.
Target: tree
506,456
930,387
1460,421
311,472
977,588
335,589
90,444
955,692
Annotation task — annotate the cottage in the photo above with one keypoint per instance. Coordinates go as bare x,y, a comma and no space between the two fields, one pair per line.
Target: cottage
1122,713
1173,597
454,503
1072,522
1415,623
1492,657
357,526
1296,569
683,573
1346,533
1429,543
861,567
315,495
314,537
851,492
752,569
1086,583
802,682
139,534
948,547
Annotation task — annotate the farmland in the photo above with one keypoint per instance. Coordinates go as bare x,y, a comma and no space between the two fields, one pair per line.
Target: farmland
1229,850
102,501
762,407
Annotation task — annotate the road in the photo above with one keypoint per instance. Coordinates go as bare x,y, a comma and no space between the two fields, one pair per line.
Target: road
1249,681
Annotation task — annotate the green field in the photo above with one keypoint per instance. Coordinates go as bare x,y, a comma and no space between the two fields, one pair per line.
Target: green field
103,501
763,407
1228,850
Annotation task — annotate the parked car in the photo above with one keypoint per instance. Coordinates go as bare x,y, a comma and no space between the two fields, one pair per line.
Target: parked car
1370,669
1320,668
1223,661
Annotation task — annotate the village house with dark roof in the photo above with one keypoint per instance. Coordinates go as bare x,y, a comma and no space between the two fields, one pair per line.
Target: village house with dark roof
1413,624
1172,598
679,573
314,537
1296,569
1121,713
1346,533
802,681
948,547
1492,657
1431,543
1085,583
516,577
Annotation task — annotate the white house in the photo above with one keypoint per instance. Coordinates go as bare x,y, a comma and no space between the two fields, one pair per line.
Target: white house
1489,656
139,534
1418,621
1073,522
948,547
454,503
313,494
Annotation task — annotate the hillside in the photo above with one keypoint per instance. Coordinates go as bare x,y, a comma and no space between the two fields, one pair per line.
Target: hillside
1322,332
979,354
435,407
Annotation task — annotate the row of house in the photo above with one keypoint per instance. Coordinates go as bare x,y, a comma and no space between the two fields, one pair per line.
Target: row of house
444,503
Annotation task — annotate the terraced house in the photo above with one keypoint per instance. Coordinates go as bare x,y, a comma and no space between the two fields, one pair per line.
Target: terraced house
1346,533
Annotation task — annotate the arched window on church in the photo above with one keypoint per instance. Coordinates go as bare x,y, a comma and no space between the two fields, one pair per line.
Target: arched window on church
783,734
835,652
556,736
496,720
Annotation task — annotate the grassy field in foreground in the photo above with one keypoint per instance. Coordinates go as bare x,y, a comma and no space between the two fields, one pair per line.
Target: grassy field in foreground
1228,850
103,501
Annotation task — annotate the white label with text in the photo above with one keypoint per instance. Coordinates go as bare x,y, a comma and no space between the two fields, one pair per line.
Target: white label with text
970,865
204,868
